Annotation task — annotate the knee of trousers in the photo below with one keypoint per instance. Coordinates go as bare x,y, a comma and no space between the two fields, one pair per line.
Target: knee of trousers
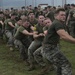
68,64
35,54
30,52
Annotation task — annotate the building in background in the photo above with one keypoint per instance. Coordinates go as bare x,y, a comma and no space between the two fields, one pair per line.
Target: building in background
20,3
1,3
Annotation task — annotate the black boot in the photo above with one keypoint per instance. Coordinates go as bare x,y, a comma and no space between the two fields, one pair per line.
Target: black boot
31,67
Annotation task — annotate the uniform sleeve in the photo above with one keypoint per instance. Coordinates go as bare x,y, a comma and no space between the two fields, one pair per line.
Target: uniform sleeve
45,28
59,26
9,20
21,29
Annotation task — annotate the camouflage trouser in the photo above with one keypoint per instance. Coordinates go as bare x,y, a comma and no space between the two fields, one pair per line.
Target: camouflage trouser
9,35
52,54
38,57
1,33
23,50
32,48
72,28
16,43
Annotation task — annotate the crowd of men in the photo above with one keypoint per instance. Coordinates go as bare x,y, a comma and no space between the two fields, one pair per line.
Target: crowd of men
36,32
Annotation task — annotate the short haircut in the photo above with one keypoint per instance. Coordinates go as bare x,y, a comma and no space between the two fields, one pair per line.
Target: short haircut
13,14
1,12
73,5
59,9
40,15
30,12
18,18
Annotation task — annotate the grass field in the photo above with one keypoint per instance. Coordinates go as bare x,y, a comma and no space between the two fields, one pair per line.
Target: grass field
11,64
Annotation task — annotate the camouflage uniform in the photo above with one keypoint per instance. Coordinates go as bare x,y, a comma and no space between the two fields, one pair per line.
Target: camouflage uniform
9,32
35,44
22,42
38,57
55,56
1,24
22,49
1,31
51,50
9,35
72,22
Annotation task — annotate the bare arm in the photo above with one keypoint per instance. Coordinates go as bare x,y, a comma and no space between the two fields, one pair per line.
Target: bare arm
26,32
32,28
36,35
45,32
64,35
11,24
2,22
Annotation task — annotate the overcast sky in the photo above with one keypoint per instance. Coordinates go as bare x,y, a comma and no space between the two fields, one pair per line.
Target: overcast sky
19,3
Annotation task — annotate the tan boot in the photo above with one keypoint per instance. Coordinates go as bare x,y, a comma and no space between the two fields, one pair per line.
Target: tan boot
44,71
11,49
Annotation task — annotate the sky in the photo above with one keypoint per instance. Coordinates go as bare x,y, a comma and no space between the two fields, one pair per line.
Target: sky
20,3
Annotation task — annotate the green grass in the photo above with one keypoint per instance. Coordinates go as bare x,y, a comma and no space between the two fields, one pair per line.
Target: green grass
11,64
